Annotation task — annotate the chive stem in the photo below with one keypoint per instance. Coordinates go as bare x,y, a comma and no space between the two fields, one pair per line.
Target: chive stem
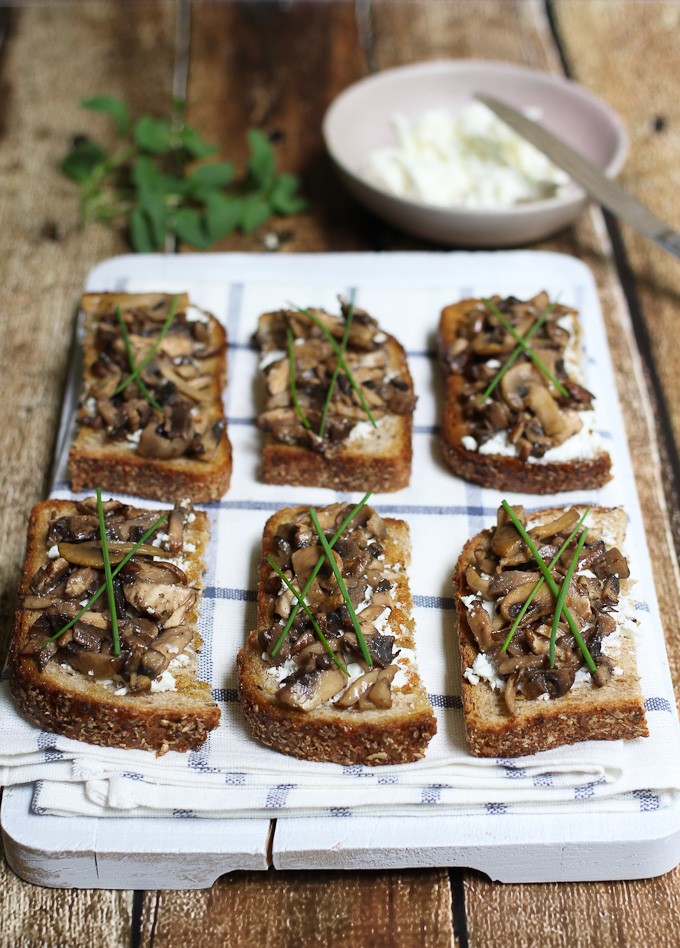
290,339
102,588
336,370
319,563
551,583
563,594
341,359
317,628
131,360
343,588
517,351
154,349
534,591
107,574
529,351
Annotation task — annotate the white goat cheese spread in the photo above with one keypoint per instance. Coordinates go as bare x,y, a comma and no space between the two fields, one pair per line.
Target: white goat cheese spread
471,160
586,443
483,668
166,682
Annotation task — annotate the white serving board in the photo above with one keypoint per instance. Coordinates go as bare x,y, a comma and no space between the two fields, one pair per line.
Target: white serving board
191,853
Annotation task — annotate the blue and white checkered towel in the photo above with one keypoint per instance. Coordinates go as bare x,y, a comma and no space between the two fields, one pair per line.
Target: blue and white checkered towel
233,775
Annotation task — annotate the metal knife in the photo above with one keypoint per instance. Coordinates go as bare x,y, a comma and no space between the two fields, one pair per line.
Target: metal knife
605,191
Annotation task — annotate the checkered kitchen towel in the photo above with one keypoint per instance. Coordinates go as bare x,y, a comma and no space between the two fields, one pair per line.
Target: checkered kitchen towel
233,775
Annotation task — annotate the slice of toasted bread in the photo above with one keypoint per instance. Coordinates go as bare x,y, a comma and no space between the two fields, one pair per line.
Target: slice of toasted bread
613,711
69,702
589,468
113,461
376,459
394,735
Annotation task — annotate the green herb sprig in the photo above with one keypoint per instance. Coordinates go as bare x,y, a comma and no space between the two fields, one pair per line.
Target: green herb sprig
161,181
563,595
136,373
527,348
290,340
343,588
530,598
551,584
341,359
336,370
312,576
131,361
517,351
103,587
300,598
107,575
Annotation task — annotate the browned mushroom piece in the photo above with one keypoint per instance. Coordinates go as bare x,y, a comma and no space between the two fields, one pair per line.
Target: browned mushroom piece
167,603
307,690
175,540
90,553
555,682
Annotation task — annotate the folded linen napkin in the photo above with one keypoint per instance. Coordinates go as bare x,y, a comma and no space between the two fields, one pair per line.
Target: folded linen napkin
232,774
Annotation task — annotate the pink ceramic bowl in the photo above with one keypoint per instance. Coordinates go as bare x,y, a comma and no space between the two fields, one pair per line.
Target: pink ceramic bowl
359,121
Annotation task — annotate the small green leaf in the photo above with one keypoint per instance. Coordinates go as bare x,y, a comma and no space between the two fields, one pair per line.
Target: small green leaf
111,106
154,135
154,209
195,144
145,174
222,214
190,227
256,210
82,160
262,164
140,232
216,175
283,197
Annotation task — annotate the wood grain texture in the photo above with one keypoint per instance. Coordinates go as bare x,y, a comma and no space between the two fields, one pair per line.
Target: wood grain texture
52,57
310,909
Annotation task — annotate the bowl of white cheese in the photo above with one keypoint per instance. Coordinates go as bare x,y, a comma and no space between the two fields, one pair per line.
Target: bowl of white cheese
414,146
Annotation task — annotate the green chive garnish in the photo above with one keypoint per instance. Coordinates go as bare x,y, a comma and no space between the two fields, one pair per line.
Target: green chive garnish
303,604
154,349
538,585
131,360
102,588
107,574
563,595
343,589
290,339
319,563
340,357
517,351
551,583
529,351
336,370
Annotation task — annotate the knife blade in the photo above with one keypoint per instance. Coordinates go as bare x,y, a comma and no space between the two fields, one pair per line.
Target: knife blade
604,190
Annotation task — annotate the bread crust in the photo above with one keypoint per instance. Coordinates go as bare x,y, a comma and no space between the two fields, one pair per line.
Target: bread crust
69,703
613,712
495,470
393,736
97,461
379,462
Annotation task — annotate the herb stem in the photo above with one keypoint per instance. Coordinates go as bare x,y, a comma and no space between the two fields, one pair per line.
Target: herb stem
517,351
131,360
154,349
319,563
343,588
554,561
107,574
317,628
529,351
341,360
563,595
336,370
290,340
551,583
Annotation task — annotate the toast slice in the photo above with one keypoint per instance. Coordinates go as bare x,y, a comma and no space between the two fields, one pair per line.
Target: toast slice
177,448
513,702
524,435
149,697
344,451
299,702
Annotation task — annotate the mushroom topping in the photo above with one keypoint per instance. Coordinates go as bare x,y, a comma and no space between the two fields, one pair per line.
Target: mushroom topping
307,690
49,576
169,604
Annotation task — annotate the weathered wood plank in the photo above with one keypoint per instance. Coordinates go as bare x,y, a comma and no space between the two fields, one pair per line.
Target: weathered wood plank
328,910
54,56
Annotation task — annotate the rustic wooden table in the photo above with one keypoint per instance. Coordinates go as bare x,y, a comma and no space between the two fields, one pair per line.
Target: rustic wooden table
277,66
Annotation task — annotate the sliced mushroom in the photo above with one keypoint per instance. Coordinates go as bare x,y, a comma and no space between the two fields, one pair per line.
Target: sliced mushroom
554,682
81,581
306,690
562,525
358,688
542,602
541,402
90,553
49,576
516,384
168,604
175,541
96,664
480,626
